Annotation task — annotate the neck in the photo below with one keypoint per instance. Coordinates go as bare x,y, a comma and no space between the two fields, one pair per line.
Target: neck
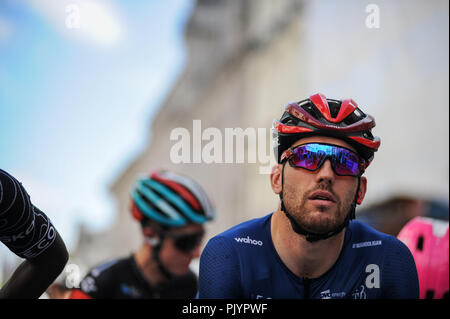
147,265
303,258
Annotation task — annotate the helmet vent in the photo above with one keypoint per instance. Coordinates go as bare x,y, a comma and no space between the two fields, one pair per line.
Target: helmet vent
420,243
356,116
311,109
291,120
151,204
306,105
429,294
368,134
358,113
334,108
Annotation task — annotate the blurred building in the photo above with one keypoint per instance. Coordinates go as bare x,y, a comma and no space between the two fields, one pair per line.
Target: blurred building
390,215
248,58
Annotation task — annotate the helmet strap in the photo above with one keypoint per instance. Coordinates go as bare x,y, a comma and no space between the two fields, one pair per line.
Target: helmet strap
152,241
313,237
156,243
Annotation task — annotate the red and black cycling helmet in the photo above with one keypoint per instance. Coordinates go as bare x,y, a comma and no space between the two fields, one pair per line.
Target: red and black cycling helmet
318,115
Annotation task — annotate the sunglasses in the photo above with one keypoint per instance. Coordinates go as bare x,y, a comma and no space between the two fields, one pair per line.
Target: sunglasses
311,157
186,242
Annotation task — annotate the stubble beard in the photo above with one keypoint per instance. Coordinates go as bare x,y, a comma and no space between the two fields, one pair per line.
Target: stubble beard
312,218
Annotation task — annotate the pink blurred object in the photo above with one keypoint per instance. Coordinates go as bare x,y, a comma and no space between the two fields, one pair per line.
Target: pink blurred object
427,239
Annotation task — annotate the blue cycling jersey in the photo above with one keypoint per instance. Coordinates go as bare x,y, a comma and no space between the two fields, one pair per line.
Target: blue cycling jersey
242,263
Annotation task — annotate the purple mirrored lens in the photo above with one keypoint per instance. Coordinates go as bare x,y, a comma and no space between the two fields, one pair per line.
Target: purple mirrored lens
312,156
345,163
303,157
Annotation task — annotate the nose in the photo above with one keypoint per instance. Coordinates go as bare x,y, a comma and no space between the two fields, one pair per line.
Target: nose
326,173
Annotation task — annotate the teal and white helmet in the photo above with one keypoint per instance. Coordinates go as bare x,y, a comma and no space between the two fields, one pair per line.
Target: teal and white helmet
171,200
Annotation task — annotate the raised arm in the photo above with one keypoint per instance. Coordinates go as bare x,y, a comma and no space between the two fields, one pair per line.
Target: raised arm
28,233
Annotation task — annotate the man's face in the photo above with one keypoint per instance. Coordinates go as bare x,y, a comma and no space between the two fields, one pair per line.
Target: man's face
175,260
320,200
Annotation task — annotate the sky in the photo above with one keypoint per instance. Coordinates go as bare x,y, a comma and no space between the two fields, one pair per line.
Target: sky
79,82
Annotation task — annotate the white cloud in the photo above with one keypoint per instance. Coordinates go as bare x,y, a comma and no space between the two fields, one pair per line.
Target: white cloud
95,21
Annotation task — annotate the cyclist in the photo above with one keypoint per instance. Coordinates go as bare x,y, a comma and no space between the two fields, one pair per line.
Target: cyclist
29,234
172,209
311,247
427,238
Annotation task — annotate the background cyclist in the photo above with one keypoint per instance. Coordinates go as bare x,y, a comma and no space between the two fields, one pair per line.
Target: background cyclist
172,209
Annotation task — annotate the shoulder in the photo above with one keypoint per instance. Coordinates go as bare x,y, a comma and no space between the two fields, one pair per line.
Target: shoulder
239,242
251,232
363,230
248,228
104,276
230,242
227,262
364,235
111,268
396,263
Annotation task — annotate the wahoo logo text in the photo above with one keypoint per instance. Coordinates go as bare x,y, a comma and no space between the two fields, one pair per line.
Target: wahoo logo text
248,240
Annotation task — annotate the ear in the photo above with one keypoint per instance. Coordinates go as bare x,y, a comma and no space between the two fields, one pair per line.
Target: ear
362,190
275,178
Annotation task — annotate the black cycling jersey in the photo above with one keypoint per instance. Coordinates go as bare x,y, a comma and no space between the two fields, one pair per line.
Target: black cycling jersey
24,229
122,279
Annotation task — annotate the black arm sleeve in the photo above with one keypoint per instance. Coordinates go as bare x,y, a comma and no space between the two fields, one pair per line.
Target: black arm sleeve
24,229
